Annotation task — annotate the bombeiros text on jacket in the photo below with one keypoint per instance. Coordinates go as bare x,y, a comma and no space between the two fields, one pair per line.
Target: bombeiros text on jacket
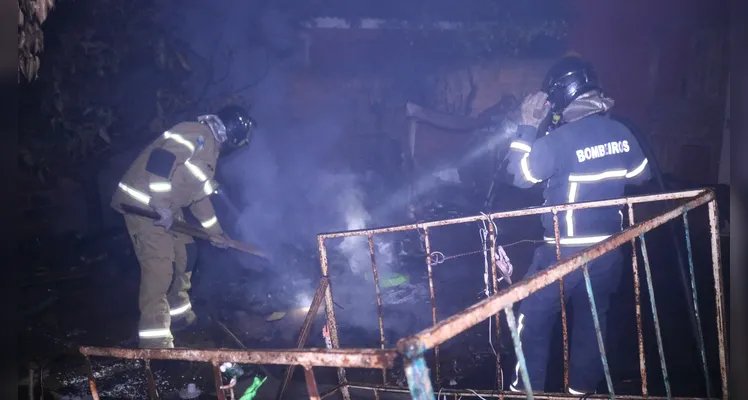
602,150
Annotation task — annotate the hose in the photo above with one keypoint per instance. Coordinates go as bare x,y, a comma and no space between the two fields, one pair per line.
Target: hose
656,173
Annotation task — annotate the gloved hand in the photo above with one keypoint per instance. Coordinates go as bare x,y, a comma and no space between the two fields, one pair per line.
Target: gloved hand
167,217
534,109
220,241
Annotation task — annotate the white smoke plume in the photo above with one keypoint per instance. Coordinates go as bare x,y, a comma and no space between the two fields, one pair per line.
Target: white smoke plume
349,203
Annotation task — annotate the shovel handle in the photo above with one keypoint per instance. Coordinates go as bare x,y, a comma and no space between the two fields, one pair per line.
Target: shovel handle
190,230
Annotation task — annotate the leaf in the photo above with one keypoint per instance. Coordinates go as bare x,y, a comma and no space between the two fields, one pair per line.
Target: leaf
105,136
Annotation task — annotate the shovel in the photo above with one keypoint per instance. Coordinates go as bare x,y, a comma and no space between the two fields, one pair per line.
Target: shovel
196,232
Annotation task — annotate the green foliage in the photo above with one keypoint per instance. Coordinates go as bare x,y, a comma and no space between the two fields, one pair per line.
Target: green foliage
71,123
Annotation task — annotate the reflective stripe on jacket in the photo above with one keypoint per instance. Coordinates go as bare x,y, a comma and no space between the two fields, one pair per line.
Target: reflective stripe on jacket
176,170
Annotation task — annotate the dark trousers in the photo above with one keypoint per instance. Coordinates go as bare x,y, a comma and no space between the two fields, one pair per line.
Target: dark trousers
539,312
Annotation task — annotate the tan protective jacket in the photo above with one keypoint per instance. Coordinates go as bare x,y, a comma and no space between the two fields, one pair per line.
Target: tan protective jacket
175,171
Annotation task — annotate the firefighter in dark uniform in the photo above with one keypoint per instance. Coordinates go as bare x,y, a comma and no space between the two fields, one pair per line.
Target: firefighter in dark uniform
587,157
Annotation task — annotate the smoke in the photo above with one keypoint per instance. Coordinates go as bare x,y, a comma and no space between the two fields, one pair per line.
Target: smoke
293,181
355,249
296,179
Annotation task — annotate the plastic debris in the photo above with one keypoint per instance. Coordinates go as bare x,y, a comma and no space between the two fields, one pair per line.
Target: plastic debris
394,280
251,391
275,316
505,266
405,293
231,370
190,392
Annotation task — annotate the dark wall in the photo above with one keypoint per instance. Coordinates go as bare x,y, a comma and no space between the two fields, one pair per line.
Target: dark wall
665,65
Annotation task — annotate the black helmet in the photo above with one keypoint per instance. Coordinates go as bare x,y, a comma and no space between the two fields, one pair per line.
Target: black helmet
568,79
238,125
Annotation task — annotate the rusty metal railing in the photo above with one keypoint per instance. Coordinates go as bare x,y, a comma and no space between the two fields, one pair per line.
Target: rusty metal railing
413,348
306,358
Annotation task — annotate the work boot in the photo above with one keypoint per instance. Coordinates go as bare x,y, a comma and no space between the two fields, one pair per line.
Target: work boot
183,322
156,343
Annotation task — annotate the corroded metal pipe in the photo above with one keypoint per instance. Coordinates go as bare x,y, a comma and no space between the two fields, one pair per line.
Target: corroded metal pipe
564,319
331,392
311,384
152,390
352,358
496,276
332,324
432,297
637,303
218,381
304,333
91,379
511,395
718,295
372,255
471,316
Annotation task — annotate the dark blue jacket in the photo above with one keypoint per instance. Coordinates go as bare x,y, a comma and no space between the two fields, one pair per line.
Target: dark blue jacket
585,160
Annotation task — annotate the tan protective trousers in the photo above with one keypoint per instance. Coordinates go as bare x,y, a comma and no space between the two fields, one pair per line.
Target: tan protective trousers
166,261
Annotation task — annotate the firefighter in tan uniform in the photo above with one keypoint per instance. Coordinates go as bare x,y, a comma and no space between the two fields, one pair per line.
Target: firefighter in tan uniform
173,172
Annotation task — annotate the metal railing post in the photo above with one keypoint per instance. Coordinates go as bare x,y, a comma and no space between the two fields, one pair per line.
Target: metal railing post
700,338
719,297
523,372
432,296
564,321
379,300
655,318
332,324
417,374
598,331
638,306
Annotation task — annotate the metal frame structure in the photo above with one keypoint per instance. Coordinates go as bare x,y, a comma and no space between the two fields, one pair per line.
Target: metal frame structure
414,348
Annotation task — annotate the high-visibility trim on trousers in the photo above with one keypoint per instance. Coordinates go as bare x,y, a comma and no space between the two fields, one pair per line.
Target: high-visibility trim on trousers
154,333
577,240
180,310
207,224
571,391
520,326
